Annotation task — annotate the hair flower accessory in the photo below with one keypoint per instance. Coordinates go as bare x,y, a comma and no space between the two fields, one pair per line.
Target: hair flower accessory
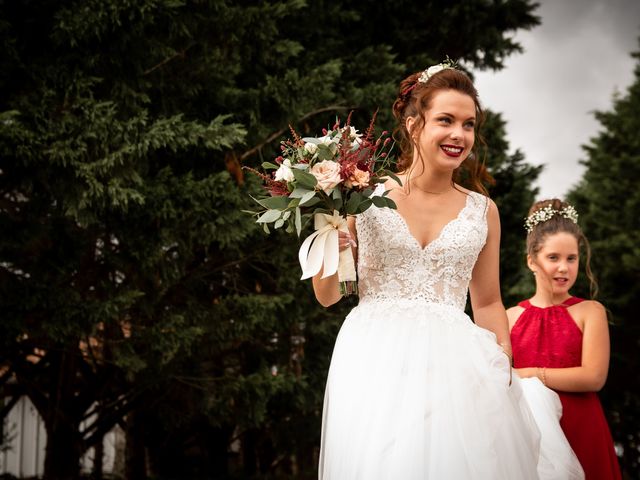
428,73
547,213
432,70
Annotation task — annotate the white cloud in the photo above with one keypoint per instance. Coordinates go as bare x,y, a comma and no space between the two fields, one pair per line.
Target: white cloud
571,66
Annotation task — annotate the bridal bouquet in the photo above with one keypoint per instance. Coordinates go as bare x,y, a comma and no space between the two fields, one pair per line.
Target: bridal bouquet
325,178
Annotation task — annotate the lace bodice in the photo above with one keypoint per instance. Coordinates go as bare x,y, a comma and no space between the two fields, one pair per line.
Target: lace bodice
392,265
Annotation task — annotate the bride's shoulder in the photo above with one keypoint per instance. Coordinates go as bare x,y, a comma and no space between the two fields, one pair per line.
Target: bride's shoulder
479,199
472,193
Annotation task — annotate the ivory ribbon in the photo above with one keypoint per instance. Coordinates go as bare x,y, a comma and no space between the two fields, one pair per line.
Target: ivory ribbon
321,247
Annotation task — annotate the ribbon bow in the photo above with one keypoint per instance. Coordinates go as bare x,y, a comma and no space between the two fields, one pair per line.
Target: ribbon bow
322,247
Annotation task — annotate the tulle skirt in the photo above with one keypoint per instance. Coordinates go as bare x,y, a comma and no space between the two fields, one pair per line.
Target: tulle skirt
417,391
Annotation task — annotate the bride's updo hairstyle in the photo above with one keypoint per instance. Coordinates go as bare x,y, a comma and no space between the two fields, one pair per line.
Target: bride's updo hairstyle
548,217
414,99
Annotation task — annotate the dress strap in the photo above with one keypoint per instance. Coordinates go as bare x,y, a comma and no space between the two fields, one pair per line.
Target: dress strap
567,303
572,301
524,304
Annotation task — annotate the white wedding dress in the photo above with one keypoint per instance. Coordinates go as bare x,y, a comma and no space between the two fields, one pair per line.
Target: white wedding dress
415,389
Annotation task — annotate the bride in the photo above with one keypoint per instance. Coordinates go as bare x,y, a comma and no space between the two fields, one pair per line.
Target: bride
416,390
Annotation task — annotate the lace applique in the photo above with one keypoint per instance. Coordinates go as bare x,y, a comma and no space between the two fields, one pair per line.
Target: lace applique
392,265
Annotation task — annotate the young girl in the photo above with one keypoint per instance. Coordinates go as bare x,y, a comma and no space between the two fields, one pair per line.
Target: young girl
564,340
416,390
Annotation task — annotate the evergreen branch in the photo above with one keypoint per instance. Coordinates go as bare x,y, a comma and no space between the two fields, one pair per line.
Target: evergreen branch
306,116
181,54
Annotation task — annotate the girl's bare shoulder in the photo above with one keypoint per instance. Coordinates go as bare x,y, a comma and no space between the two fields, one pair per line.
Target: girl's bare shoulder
513,314
589,311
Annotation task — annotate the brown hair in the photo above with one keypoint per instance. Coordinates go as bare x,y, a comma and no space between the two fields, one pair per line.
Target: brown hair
556,224
414,99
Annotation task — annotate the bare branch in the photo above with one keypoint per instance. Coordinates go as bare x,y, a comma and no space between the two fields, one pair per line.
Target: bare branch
180,54
9,406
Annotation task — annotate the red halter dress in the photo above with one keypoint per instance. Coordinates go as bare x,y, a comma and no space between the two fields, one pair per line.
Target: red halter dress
549,337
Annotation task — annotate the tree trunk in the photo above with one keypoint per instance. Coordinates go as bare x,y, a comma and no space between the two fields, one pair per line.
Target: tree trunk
135,451
218,440
64,443
63,453
96,472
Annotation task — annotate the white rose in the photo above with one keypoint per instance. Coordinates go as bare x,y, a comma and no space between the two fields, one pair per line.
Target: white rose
327,173
311,148
326,140
353,133
357,142
284,172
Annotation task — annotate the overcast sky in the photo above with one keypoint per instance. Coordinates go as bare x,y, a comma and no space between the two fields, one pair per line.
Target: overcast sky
572,65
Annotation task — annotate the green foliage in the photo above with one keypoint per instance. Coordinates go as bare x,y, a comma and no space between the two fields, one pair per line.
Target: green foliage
608,201
129,266
513,193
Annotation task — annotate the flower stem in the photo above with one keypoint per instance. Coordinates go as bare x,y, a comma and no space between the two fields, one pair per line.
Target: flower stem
348,288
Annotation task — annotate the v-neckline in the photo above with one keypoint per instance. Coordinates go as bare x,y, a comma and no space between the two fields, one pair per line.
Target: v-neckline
437,237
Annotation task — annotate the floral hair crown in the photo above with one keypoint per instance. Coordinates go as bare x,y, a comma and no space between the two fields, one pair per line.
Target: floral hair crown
547,213
430,72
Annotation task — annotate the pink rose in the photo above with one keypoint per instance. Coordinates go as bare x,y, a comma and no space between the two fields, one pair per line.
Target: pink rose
359,178
327,172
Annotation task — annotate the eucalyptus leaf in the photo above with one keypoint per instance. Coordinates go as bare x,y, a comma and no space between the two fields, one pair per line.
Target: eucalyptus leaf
393,176
364,205
269,216
314,201
352,204
324,152
294,203
298,222
274,203
304,179
379,201
270,166
307,197
299,192
391,203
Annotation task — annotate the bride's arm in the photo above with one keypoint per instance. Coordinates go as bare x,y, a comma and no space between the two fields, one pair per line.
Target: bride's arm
327,290
486,301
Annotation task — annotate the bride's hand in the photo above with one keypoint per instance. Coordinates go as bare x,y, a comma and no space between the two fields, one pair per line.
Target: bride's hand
345,240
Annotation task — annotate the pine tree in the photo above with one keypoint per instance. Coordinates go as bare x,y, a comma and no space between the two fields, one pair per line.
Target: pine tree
513,193
608,201
132,286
